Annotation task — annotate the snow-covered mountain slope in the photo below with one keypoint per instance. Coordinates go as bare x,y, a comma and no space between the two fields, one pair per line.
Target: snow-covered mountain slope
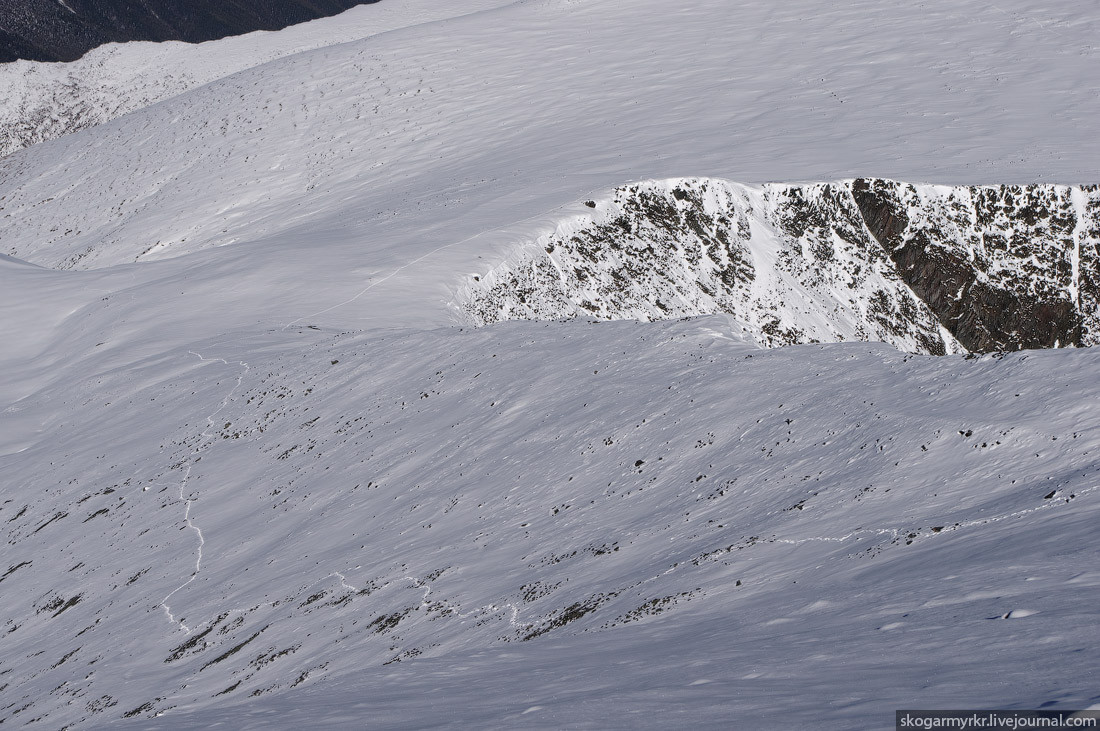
42,101
553,100
233,519
67,29
271,456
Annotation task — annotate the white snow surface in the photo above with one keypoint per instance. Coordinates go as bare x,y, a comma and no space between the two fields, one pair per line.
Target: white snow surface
42,101
258,470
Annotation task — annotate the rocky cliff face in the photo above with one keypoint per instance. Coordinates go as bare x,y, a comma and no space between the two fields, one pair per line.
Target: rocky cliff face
929,269
1001,266
64,30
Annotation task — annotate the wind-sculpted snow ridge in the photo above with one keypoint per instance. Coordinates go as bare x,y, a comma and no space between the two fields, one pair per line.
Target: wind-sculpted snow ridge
928,269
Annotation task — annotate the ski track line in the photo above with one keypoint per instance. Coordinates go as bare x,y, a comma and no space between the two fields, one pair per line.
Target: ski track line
455,611
188,501
897,532
894,533
452,609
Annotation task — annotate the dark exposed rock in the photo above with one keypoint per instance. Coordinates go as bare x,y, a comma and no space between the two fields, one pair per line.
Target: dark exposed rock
929,269
994,263
882,211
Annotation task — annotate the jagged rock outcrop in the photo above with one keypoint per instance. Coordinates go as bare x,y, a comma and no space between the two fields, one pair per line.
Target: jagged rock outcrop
929,269
1000,266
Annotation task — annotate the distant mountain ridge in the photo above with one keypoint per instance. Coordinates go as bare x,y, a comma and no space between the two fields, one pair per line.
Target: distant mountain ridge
43,101
64,30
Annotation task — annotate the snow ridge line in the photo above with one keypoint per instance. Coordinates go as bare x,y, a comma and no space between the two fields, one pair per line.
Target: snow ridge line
188,501
418,260
370,286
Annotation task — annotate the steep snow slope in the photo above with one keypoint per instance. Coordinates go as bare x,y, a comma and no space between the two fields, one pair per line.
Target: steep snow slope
235,518
46,100
244,472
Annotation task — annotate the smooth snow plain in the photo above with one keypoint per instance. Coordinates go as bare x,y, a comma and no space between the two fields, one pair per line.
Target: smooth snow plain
259,471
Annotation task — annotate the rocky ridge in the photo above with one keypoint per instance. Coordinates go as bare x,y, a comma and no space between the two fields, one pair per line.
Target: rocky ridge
928,269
